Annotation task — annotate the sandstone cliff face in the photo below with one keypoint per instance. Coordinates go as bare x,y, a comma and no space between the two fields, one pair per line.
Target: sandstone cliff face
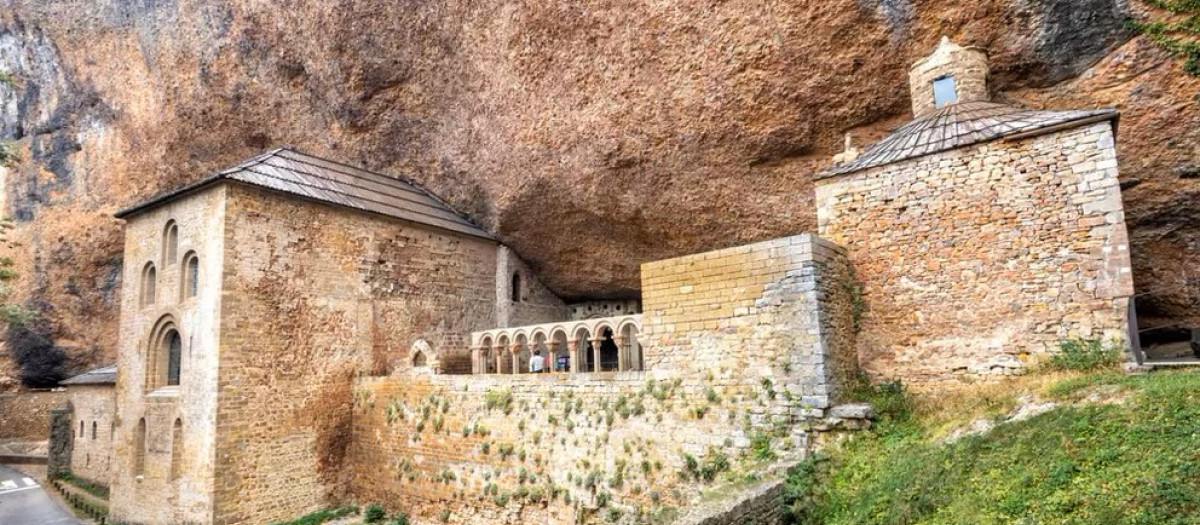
590,136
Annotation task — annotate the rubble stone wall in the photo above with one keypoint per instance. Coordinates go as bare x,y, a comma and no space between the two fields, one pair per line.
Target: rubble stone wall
25,416
974,262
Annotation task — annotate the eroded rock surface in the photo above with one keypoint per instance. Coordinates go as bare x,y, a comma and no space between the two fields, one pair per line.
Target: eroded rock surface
589,136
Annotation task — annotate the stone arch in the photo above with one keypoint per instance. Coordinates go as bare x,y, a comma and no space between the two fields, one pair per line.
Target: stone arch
609,352
635,358
149,282
560,355
164,363
189,282
170,243
486,358
421,353
503,355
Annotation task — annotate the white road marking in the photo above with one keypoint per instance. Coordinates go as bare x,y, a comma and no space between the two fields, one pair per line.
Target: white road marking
8,484
29,482
3,492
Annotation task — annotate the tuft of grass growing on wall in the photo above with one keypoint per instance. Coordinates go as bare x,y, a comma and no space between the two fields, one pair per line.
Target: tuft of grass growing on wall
1085,355
1135,462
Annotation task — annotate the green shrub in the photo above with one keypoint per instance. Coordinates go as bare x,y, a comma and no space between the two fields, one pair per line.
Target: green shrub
374,513
890,399
1130,463
760,447
400,519
1085,355
499,399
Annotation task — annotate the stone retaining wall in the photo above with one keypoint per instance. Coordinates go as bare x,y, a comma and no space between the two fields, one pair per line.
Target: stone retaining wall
25,416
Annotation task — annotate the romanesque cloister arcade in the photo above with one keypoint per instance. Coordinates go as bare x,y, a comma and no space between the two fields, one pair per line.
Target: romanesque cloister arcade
608,344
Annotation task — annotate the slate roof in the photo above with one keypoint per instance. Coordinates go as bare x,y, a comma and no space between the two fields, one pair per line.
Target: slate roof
105,375
963,124
315,178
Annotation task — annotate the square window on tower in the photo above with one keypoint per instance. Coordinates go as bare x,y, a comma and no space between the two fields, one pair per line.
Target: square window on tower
944,91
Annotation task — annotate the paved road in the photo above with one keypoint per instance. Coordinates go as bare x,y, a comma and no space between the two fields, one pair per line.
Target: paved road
23,502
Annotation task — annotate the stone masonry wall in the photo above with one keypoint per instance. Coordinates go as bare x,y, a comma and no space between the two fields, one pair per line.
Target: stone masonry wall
537,303
766,311
314,296
161,494
968,66
619,446
974,262
25,416
95,407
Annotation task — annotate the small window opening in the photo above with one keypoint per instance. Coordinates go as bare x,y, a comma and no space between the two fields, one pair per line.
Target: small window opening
139,448
170,243
93,430
516,287
944,91
149,281
177,449
191,275
80,429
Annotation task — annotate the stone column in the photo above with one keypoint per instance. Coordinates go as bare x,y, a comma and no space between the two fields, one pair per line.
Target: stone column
499,351
622,353
573,355
516,358
475,361
596,351
551,356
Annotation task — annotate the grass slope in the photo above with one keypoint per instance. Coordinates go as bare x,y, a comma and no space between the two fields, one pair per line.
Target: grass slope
1136,461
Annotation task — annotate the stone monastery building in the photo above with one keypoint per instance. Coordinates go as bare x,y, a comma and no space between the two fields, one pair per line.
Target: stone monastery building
296,332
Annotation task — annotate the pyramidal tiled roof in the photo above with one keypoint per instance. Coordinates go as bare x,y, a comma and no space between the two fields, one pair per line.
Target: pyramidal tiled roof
310,177
105,375
959,125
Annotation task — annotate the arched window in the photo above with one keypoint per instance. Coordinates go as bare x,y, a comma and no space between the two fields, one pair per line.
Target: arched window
170,244
139,448
174,350
149,280
164,360
93,430
177,449
516,287
421,352
191,275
